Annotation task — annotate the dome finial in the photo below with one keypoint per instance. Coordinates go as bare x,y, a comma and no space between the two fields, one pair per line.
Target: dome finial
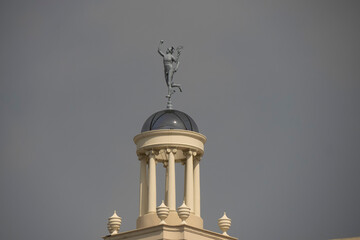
169,103
171,65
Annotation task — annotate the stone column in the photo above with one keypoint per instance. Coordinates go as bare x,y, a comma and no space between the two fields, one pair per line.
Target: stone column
143,187
152,182
197,187
172,186
184,164
189,188
166,182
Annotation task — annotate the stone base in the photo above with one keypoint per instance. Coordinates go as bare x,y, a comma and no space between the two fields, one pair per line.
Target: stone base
151,219
167,232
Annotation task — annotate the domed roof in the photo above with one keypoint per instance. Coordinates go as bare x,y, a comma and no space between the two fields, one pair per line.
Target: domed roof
169,119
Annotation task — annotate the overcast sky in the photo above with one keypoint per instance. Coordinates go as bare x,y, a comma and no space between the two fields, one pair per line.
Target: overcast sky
274,86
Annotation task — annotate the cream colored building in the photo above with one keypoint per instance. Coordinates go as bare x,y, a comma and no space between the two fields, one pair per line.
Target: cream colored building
170,138
351,238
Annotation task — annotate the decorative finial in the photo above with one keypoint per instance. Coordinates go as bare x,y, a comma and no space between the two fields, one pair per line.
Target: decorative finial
224,224
114,224
171,65
183,212
163,212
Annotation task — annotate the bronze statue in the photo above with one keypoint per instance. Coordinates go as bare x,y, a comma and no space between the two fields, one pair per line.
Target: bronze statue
171,65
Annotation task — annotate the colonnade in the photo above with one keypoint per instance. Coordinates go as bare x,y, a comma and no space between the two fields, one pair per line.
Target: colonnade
148,179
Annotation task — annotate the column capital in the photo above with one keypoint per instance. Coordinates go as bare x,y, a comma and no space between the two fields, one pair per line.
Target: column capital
189,152
151,152
141,157
173,150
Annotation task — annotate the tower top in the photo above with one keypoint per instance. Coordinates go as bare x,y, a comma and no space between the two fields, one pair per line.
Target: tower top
169,137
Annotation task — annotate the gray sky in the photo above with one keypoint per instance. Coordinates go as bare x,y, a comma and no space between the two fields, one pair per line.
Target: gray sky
274,85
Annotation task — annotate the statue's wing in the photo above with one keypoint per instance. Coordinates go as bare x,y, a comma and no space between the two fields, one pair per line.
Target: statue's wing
178,51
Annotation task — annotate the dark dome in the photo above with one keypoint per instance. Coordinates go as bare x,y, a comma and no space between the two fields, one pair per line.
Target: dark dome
169,119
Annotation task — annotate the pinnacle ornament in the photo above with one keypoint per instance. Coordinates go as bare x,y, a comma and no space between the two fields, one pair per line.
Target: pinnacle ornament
183,212
114,224
163,212
224,224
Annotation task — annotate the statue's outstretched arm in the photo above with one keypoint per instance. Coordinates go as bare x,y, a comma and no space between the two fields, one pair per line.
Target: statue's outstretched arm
159,50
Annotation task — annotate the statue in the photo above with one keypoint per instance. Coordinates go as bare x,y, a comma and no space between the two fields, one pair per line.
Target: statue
171,65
